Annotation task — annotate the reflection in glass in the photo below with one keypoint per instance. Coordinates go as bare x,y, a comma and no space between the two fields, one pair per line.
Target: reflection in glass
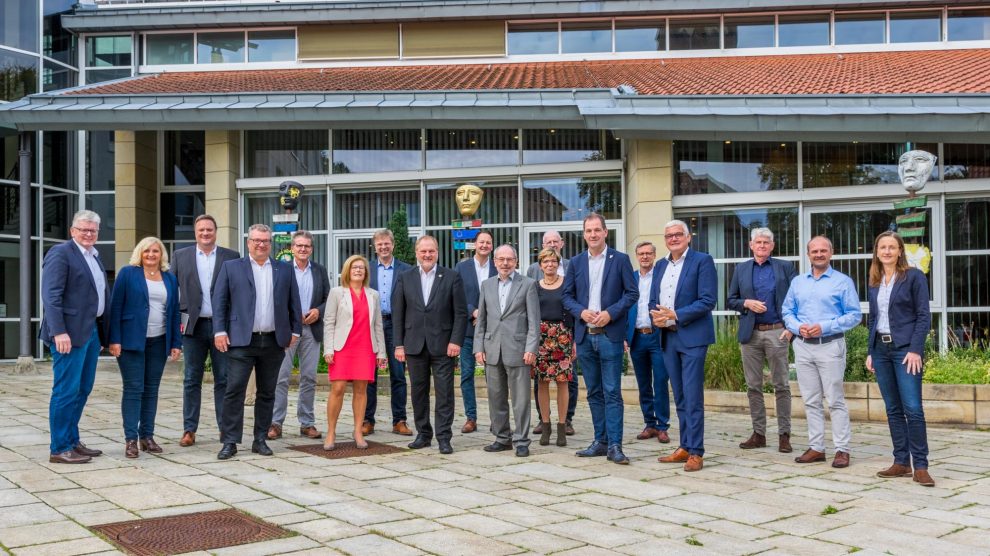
543,146
571,198
58,43
734,166
967,277
640,35
500,203
573,244
259,207
104,204
915,26
967,225
220,48
471,148
966,161
19,24
533,38
855,28
586,36
10,280
271,46
59,158
108,50
57,208
178,211
185,158
838,164
968,329
749,32
969,25
372,208
694,34
802,30
18,75
449,257
99,76
56,76
10,213
99,161
275,153
725,234
376,150
168,48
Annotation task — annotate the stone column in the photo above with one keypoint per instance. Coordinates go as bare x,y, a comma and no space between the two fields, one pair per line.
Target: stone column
136,191
223,167
649,190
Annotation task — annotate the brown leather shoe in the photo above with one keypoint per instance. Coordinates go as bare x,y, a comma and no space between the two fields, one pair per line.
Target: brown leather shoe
310,432
840,460
68,456
131,449
569,429
401,428
680,455
810,456
188,439
755,440
149,445
663,437
469,426
895,470
784,443
922,477
84,450
274,431
367,428
648,433
694,463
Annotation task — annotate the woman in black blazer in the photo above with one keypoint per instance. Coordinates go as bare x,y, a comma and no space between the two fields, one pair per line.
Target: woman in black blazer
899,322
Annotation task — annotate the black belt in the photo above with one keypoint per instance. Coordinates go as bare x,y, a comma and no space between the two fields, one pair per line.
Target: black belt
260,334
885,338
595,330
765,327
823,339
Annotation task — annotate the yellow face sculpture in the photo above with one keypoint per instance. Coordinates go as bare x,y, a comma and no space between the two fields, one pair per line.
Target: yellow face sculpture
468,197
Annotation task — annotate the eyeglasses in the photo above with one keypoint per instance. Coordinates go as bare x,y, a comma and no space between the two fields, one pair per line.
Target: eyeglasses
260,241
87,231
298,246
675,235
505,259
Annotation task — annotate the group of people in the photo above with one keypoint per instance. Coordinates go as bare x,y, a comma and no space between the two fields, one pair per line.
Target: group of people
257,314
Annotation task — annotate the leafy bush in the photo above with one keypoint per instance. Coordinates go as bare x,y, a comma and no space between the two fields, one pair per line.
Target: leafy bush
958,366
856,352
723,365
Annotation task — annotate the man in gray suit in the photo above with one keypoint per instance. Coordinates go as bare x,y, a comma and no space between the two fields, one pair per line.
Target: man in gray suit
506,339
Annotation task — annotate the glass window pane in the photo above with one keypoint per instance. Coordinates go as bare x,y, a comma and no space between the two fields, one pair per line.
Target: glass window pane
968,329
571,198
802,30
169,49
837,164
376,150
57,209
99,161
592,36
749,32
59,159
185,154
10,281
471,148
19,24
969,25
543,146
220,48
449,257
99,76
9,159
915,26
10,209
573,244
966,161
56,76
725,234
533,38
640,35
859,28
967,225
260,207
276,153
966,280
372,208
694,34
734,166
271,46
499,205
104,204
19,77
178,211
58,43
108,51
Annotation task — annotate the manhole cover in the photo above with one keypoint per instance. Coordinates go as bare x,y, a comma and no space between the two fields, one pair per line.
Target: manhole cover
188,532
348,450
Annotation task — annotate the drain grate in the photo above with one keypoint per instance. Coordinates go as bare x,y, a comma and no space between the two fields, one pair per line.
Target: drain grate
348,450
188,532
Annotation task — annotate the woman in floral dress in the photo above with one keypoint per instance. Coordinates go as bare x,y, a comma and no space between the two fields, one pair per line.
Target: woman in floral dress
555,360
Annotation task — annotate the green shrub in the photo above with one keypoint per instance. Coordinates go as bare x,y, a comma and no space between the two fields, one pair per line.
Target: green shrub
723,365
958,366
856,352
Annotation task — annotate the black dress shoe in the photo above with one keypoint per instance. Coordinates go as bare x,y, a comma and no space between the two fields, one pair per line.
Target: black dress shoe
595,449
261,447
615,455
497,447
82,450
227,451
445,447
522,451
420,442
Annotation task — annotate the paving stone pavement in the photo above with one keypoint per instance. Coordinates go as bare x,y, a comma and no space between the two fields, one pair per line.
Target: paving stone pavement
473,502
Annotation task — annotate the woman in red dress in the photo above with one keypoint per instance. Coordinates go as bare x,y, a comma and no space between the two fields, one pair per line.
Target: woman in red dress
354,344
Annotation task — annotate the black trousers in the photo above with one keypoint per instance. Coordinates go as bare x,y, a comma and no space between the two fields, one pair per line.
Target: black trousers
421,366
265,356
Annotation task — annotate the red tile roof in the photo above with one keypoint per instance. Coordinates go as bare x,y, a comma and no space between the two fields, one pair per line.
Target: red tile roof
913,72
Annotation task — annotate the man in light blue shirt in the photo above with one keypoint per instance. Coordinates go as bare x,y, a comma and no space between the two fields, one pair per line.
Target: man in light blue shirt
820,306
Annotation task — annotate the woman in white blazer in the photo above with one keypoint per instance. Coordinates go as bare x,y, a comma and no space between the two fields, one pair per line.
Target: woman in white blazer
353,344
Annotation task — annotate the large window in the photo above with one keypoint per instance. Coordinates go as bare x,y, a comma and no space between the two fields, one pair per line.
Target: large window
694,34
376,150
99,161
571,198
273,153
734,166
749,32
271,46
57,43
18,75
59,159
542,146
220,48
500,203
915,26
471,148
185,158
834,164
857,28
168,48
803,30
638,35
586,36
19,24
533,38
966,161
371,209
969,25
108,57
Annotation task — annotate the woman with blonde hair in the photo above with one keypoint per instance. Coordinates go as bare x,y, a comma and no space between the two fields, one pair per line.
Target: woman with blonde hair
354,344
144,332
555,358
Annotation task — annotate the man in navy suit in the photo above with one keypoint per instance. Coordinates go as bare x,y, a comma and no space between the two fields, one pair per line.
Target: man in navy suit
682,299
757,292
599,290
473,272
76,297
385,272
255,319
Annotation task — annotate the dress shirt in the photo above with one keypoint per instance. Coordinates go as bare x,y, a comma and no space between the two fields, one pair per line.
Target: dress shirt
829,300
264,301
883,304
481,270
765,288
91,256
504,286
668,284
385,285
643,304
304,279
426,281
596,276
205,265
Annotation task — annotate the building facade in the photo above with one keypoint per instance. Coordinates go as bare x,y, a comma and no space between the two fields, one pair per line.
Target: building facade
789,114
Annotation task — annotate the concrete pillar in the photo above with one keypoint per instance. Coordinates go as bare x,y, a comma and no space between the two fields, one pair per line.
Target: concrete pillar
223,167
136,191
649,190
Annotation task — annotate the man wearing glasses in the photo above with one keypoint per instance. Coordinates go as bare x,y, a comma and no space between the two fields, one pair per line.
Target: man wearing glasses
75,295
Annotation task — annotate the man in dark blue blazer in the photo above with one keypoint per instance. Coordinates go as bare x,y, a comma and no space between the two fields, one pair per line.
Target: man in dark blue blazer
255,318
473,272
385,271
682,301
75,296
757,292
599,290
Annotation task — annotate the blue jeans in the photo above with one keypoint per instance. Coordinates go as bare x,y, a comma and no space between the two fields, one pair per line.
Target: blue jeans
141,372
686,368
467,379
905,415
73,376
601,364
651,377
397,381
195,348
